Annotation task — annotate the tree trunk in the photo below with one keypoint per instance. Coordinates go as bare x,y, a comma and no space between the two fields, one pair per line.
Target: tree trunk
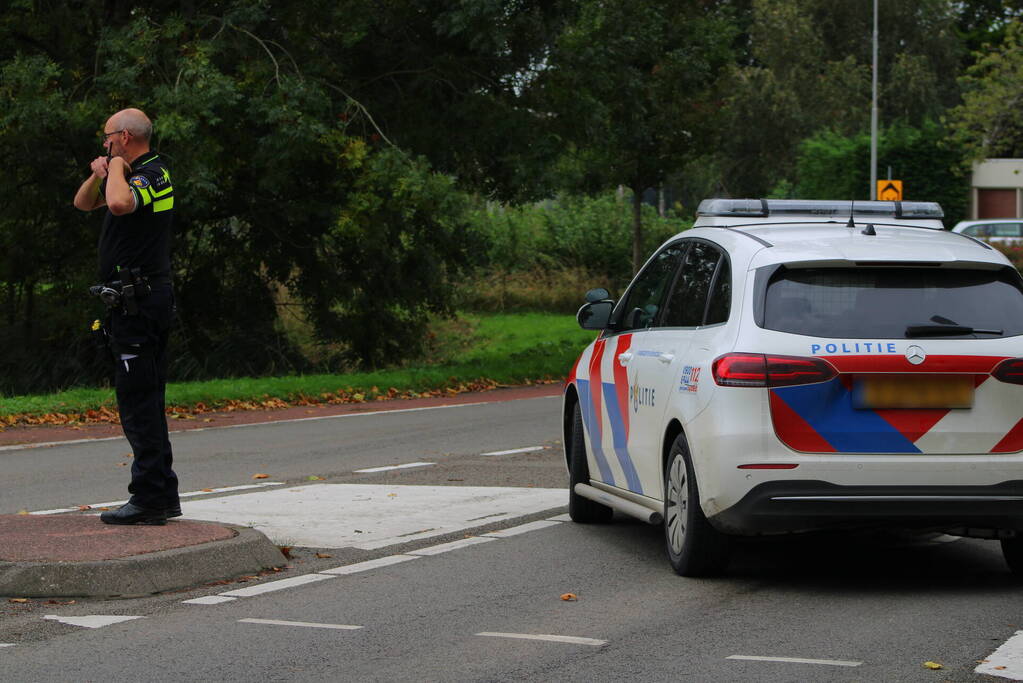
637,227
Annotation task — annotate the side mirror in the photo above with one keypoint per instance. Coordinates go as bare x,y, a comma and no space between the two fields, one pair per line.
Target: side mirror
598,294
595,314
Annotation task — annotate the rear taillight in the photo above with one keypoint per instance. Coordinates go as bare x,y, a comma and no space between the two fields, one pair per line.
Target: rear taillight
1010,371
766,370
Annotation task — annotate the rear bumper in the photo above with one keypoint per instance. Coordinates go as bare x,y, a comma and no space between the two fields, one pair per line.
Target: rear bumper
790,506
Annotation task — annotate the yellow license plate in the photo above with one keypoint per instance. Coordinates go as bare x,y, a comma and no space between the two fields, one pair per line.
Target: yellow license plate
913,391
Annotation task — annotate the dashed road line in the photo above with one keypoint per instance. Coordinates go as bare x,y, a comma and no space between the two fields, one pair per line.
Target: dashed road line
90,621
6,644
280,584
209,600
521,529
795,660
453,545
1006,661
189,494
369,564
575,640
527,449
303,624
393,467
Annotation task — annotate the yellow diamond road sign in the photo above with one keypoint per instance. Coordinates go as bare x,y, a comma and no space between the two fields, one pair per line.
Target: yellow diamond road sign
889,190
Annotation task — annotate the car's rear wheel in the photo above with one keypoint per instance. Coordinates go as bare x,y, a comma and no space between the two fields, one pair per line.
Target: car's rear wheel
582,510
694,547
1012,549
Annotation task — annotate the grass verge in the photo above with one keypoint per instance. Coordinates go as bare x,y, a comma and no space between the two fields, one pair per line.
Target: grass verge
469,353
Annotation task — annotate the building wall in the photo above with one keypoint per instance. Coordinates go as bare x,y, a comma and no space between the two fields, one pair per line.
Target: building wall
997,189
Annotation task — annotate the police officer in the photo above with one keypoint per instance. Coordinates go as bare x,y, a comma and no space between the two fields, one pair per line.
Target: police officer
134,184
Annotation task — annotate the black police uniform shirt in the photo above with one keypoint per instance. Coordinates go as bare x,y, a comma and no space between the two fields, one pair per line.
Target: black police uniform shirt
140,239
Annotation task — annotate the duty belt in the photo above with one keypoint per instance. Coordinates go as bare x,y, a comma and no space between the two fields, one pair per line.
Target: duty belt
125,294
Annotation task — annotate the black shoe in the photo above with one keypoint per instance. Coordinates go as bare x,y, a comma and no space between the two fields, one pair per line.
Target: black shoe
173,511
129,513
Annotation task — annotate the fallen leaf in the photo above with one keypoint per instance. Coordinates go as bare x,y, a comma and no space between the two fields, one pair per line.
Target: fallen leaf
1000,668
569,597
103,508
313,477
129,455
392,495
323,556
122,464
285,550
23,512
934,666
19,600
260,476
206,490
84,507
207,419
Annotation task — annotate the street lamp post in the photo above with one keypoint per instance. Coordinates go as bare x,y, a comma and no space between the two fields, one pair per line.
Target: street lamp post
873,116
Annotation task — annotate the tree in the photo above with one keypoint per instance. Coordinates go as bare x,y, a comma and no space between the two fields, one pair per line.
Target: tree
629,88
989,122
808,68
292,187
832,165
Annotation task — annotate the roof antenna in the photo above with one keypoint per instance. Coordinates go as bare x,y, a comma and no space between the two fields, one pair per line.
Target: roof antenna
852,210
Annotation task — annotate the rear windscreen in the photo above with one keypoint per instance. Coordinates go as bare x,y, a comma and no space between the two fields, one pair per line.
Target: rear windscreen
864,303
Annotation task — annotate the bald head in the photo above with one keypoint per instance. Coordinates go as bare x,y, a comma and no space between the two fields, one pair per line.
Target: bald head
135,122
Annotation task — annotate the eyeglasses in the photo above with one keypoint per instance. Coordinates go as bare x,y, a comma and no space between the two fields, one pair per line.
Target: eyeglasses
113,132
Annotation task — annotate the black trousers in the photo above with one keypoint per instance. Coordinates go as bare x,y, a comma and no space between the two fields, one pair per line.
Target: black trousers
140,385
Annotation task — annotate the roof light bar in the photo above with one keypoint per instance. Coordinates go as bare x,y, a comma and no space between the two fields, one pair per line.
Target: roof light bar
829,208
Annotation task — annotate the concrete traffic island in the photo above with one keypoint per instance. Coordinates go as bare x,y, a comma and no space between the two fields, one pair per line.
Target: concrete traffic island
68,555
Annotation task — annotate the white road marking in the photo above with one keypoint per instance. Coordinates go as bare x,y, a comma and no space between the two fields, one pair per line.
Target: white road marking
369,564
372,516
453,545
393,467
276,585
553,639
305,624
796,660
6,644
190,494
521,529
528,449
91,621
1006,661
561,518
208,600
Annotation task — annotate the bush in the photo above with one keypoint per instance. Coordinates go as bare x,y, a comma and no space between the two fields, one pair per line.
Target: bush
583,235
833,166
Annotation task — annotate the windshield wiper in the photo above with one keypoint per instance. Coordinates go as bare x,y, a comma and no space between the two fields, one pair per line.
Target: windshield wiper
943,330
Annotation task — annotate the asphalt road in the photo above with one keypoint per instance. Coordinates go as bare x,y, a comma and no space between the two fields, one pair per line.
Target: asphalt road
83,473
859,607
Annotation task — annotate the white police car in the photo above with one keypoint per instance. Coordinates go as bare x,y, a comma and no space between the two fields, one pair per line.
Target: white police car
790,365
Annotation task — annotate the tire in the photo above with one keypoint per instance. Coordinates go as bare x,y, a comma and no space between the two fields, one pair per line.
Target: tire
694,547
582,510
1012,549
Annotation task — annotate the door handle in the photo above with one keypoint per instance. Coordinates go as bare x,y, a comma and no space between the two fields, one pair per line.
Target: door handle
666,357
624,357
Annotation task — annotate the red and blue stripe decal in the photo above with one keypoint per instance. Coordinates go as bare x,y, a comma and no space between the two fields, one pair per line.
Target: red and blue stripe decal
596,395
820,418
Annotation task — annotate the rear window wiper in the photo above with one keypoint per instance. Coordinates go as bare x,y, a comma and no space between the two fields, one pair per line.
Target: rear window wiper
942,330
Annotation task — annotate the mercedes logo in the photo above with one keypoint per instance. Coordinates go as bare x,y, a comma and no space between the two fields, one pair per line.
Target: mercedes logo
915,355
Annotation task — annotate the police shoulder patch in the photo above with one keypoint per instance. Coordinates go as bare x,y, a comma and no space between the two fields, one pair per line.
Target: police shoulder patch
139,181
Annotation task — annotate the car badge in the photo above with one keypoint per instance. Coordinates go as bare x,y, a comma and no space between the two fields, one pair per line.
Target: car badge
915,355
